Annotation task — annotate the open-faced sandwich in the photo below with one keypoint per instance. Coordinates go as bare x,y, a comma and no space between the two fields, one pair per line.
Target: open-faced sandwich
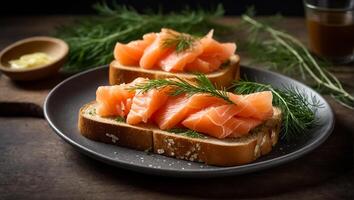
183,119
170,53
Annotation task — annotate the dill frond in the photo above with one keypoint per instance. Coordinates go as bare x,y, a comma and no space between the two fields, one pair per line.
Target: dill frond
92,40
281,51
179,41
180,86
298,110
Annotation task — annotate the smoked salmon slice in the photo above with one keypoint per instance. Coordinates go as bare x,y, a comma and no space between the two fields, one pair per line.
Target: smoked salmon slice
115,100
176,61
131,53
220,122
203,55
144,105
198,65
178,108
200,112
154,52
212,48
256,105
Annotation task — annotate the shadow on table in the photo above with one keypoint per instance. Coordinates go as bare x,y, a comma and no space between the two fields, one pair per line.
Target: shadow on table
333,158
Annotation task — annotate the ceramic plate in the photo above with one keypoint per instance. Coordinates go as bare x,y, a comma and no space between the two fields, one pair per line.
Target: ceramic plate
64,101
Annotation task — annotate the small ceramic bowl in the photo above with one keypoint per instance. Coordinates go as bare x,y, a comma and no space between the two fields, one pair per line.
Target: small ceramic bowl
55,48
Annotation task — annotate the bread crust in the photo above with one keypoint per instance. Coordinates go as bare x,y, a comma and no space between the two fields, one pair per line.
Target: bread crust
110,131
221,78
212,151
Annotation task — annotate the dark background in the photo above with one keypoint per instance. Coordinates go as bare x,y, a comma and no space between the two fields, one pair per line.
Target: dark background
232,7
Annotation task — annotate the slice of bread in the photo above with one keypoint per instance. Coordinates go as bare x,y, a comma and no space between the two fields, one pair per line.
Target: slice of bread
221,78
213,151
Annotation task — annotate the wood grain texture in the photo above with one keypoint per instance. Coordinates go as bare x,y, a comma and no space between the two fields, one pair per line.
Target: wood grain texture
37,164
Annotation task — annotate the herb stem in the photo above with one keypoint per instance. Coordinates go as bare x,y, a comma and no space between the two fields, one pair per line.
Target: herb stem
180,86
306,62
321,71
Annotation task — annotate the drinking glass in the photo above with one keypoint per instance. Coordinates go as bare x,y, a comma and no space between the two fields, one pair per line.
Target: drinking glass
330,25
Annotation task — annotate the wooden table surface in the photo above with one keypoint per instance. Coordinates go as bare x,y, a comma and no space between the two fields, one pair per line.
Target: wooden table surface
36,163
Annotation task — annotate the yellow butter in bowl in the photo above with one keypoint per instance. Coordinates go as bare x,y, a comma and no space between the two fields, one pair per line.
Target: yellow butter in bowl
31,60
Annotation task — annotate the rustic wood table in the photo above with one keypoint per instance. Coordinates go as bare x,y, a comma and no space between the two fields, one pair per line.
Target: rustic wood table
36,163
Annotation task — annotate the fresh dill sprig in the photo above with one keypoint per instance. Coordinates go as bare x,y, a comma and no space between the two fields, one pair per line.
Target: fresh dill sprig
283,52
180,86
298,111
119,119
92,39
179,41
186,132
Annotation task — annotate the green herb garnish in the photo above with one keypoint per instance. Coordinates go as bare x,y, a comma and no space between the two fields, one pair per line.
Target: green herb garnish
180,86
92,40
92,112
187,132
148,150
119,119
180,41
283,52
298,111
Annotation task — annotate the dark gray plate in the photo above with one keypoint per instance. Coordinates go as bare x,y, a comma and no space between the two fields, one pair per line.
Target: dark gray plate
64,101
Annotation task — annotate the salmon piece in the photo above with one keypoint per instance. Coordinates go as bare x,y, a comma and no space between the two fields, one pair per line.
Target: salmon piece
148,38
222,51
219,122
245,125
204,65
130,54
176,61
214,63
233,120
198,65
196,59
207,40
176,109
256,105
144,105
214,52
154,52
115,100
229,50
205,55
201,65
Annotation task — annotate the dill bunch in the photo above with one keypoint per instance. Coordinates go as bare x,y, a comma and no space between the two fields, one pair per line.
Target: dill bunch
281,51
180,86
298,111
92,39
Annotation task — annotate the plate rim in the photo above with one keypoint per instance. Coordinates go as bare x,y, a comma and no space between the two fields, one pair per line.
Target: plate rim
196,173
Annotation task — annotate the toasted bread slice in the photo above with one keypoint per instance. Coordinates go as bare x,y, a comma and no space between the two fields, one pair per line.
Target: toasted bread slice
221,78
213,151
